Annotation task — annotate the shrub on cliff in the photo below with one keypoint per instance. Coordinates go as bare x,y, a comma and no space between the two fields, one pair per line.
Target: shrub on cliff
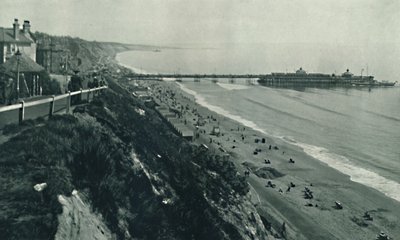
93,151
50,86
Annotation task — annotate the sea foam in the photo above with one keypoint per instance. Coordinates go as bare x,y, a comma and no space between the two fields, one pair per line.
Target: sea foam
357,174
202,101
230,86
134,69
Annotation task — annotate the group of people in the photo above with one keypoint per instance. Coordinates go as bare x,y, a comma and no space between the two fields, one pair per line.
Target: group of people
76,84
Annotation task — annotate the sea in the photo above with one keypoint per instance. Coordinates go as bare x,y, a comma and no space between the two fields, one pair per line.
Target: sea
353,130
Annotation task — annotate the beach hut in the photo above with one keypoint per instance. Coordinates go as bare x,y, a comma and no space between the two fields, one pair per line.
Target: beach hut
215,131
187,134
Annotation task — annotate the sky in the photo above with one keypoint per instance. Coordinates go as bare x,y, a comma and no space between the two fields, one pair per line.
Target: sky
371,26
212,21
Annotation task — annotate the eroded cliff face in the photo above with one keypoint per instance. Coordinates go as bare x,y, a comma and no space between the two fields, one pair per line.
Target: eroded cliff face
78,221
176,189
145,182
87,55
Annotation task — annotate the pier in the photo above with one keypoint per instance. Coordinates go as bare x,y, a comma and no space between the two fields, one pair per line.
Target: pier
299,78
196,77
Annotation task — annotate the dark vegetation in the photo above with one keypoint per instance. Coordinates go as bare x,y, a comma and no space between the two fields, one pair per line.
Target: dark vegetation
50,86
92,151
84,55
147,182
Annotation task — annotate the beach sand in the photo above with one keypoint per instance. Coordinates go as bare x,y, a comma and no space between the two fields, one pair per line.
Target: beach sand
316,218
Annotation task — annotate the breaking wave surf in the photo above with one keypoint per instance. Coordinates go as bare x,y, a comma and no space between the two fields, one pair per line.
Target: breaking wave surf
342,164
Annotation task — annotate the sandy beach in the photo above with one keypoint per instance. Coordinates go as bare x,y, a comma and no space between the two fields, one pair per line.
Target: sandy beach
287,185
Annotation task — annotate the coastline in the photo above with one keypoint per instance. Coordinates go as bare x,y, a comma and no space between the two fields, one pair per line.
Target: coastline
328,184
136,70
355,173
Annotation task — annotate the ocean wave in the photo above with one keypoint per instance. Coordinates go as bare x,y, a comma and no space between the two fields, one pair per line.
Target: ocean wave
383,116
298,99
134,69
201,100
357,174
291,115
230,86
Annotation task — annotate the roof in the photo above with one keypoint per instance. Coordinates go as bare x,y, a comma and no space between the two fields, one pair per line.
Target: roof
49,47
301,71
347,73
7,35
26,64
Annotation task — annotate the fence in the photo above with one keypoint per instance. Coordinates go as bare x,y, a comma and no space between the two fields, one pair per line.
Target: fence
22,105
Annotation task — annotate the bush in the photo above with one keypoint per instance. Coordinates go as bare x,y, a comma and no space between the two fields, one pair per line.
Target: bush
14,128
50,86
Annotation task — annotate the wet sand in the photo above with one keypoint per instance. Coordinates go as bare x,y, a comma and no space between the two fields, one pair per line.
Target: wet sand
316,218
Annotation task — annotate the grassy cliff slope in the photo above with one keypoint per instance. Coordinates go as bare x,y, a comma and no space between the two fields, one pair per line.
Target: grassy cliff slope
146,182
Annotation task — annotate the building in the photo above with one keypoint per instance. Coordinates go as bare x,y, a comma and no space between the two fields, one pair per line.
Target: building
52,57
19,78
301,71
19,72
347,74
301,77
14,39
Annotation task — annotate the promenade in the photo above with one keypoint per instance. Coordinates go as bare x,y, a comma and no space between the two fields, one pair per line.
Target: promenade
42,107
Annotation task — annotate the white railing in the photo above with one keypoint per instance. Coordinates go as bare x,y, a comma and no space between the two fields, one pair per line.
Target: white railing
22,105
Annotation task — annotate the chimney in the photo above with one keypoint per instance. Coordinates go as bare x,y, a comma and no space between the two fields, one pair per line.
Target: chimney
26,26
16,28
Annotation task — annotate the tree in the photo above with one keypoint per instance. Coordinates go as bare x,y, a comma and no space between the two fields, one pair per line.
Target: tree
49,86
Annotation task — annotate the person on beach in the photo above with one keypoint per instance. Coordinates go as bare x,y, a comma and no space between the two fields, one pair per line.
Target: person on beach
283,229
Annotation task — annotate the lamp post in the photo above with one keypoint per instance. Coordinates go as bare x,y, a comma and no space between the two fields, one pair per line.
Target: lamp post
66,69
51,55
18,55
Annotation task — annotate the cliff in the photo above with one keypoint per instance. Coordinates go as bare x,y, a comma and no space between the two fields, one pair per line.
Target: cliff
145,181
88,55
111,170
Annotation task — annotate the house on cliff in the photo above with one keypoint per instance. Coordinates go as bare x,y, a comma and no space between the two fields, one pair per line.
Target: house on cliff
19,72
14,39
27,84
52,57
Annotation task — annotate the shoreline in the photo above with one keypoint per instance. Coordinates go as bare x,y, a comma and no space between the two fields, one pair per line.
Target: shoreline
328,184
136,70
360,175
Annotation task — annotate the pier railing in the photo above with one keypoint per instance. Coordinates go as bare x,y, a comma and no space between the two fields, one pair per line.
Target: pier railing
51,100
166,75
